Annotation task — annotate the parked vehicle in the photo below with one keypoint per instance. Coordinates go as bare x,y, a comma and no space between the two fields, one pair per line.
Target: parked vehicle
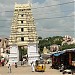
40,65
67,71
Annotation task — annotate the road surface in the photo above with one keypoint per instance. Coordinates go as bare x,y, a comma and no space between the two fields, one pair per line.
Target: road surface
26,70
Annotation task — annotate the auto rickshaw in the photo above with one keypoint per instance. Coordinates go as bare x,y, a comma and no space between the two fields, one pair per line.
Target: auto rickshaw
40,65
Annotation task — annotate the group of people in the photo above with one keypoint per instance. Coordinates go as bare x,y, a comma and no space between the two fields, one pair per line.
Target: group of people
32,67
9,67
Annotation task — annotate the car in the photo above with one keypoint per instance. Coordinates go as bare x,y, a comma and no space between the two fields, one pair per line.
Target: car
67,71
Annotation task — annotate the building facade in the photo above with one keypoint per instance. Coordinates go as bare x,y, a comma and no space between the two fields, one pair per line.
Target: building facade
23,29
4,42
68,40
54,48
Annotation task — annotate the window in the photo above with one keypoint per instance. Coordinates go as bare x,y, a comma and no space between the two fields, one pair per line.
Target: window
16,10
22,15
22,29
22,9
22,38
28,9
21,21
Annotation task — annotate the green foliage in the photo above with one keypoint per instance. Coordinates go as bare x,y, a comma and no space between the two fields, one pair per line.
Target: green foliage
66,46
22,52
1,57
39,37
43,43
49,41
53,40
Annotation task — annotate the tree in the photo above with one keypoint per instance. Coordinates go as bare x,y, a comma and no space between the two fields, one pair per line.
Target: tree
49,41
46,42
43,43
39,38
66,46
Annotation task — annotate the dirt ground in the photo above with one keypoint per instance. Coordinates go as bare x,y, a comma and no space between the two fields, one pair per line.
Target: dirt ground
26,70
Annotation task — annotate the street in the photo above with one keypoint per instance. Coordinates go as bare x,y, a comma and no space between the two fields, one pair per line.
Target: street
26,70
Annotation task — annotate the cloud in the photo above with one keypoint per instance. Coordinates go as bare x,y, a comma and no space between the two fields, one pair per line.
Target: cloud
57,24
45,27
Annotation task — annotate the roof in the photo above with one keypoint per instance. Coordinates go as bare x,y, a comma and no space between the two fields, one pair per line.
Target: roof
58,53
64,51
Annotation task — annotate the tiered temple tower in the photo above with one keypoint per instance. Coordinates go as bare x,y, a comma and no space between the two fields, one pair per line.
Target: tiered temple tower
23,29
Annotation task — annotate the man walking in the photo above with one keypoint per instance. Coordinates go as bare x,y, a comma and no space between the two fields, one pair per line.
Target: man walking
9,67
32,66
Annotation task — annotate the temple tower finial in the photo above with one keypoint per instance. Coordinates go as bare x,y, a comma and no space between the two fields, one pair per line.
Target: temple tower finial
15,1
29,2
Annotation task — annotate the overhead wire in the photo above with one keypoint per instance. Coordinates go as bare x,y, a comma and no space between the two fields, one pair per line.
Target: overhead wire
44,6
47,13
46,18
55,30
54,17
55,5
54,12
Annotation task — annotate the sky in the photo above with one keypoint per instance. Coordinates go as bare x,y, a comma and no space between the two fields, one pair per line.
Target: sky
50,20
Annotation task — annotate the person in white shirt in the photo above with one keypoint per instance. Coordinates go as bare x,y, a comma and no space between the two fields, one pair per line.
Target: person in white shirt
9,67
32,66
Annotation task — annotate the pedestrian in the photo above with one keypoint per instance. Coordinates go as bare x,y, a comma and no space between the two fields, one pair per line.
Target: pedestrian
62,67
23,61
2,61
32,66
9,67
15,65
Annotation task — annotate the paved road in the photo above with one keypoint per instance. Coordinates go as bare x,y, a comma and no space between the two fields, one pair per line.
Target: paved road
26,70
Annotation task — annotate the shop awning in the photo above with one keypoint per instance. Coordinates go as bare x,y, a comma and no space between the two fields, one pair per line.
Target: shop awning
58,53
